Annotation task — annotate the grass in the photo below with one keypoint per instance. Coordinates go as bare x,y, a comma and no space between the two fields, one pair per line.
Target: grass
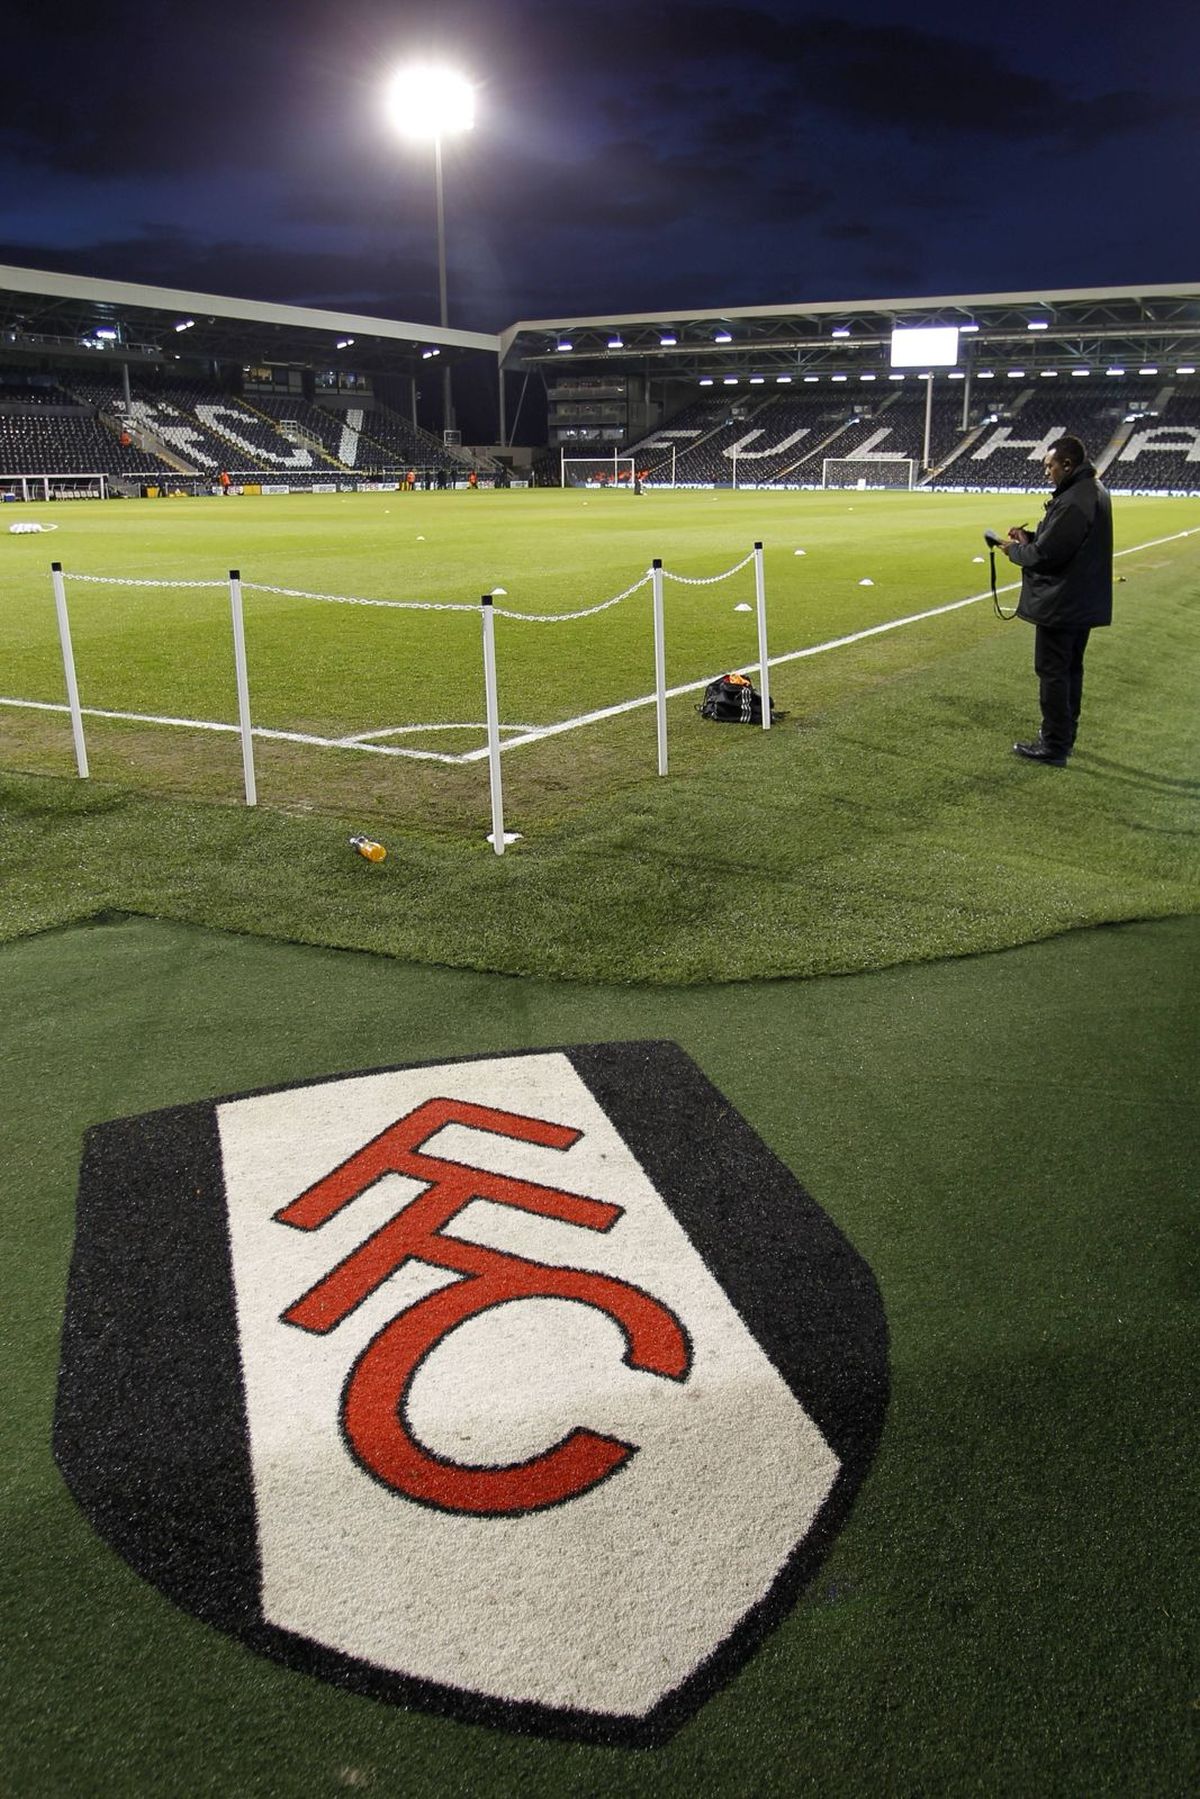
883,822
1008,1609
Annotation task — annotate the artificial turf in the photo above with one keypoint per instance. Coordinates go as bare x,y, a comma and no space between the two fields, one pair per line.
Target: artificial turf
1010,1141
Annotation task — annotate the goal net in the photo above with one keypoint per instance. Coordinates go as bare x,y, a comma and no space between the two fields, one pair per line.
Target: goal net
869,471
599,471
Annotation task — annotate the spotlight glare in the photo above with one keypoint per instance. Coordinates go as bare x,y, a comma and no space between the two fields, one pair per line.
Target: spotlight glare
430,102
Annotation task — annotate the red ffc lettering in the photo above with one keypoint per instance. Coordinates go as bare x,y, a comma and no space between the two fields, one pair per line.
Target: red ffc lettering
375,1394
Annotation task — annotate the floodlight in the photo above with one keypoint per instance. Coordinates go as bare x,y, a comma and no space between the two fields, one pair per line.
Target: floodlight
1114,371
722,337
731,381
1049,374
426,354
1038,325
186,325
706,380
866,377
957,375
426,101
963,328
668,340
1186,369
1078,372
812,377
840,331
1148,371
107,332
920,346
837,377
780,378
895,377
985,374
564,343
343,343
1016,374
756,380
616,343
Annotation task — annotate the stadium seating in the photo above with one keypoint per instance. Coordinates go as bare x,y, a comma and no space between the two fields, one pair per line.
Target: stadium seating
1162,451
1009,452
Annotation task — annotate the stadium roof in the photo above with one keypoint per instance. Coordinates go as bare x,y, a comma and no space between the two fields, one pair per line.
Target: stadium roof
51,315
1073,325
47,314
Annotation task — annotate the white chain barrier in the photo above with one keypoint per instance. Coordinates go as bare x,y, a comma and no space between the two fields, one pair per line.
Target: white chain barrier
653,577
709,580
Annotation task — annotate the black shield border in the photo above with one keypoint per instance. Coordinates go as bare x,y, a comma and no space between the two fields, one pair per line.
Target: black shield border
150,1426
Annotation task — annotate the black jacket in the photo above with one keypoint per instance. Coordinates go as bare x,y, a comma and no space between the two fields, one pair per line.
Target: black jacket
1066,572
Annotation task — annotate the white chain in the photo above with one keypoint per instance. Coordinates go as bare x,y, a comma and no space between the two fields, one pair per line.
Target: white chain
127,581
558,618
708,580
345,599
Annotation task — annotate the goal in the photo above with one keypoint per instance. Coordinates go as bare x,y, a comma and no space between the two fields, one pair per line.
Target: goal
599,471
869,471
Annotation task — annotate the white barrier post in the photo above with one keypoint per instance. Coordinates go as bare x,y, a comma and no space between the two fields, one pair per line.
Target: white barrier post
68,660
243,685
493,722
660,665
764,673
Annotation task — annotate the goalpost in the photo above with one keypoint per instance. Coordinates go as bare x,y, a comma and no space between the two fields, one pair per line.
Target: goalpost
869,471
598,471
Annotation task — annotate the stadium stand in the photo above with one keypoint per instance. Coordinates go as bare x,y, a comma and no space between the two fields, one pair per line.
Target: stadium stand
1008,451
1161,453
63,435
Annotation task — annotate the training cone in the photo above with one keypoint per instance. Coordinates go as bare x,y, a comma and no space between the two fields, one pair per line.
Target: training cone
866,581
369,850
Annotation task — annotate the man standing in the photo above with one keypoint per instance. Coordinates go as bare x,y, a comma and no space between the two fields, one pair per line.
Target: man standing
1066,588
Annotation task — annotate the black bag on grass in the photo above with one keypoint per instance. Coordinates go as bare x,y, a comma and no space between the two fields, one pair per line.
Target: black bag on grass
733,699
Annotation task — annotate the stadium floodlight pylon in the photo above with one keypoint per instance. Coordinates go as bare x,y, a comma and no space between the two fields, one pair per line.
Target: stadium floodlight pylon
598,471
891,472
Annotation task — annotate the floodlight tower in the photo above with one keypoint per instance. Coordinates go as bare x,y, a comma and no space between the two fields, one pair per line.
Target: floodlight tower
428,102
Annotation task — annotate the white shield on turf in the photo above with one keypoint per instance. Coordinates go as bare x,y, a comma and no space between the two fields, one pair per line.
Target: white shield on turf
602,1602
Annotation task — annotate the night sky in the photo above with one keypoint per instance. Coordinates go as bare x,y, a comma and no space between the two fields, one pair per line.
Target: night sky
625,157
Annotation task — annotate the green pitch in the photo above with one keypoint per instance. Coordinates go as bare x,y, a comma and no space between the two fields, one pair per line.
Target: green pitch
884,820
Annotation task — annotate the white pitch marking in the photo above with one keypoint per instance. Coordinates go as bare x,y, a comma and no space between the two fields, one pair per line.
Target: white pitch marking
535,733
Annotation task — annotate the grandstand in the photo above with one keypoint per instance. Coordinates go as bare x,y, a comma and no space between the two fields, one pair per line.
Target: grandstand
99,381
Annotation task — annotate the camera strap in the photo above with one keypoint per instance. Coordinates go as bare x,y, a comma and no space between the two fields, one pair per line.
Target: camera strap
997,607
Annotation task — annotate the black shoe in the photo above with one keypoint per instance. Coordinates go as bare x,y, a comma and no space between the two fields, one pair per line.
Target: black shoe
1039,752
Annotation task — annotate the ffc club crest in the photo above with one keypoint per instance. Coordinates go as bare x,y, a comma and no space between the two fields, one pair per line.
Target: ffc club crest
529,1389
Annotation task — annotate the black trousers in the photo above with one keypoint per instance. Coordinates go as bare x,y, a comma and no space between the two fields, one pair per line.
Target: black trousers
1058,665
